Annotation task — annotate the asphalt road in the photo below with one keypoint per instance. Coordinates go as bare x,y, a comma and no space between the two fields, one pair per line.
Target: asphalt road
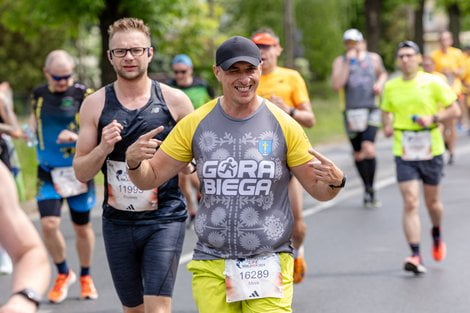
355,255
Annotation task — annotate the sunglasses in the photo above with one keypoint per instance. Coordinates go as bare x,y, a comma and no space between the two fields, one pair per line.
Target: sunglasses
59,78
180,72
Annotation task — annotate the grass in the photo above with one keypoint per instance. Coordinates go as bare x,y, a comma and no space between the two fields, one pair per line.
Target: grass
329,129
29,164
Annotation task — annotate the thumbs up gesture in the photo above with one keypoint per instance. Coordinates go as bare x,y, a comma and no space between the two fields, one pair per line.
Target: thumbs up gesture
143,148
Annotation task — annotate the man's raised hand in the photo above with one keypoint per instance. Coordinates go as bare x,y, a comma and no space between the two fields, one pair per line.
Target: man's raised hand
324,169
143,148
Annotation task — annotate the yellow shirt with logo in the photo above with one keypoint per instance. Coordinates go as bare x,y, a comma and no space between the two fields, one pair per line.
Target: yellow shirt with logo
285,83
426,94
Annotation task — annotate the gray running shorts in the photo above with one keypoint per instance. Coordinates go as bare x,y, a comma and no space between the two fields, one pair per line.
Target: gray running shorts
429,171
143,259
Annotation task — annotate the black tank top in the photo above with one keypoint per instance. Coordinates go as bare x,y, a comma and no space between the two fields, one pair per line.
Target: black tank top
171,205
4,155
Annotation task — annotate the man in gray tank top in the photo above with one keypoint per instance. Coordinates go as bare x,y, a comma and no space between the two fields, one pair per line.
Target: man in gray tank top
360,76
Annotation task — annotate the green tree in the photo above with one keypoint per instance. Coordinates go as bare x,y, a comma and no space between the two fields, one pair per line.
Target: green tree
456,11
70,23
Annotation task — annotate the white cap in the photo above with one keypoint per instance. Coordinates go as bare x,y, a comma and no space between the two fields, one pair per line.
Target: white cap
352,34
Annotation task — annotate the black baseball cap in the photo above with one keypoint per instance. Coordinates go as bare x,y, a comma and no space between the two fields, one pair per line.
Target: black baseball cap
408,44
237,49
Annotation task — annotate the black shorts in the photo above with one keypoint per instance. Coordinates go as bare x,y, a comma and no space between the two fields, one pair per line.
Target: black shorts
357,139
4,153
429,171
143,259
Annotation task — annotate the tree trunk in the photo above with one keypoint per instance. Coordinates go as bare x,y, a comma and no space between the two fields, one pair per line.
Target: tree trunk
453,12
110,14
419,27
289,35
372,13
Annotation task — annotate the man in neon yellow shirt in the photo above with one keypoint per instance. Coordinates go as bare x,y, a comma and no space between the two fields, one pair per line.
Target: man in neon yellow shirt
418,102
287,89
450,62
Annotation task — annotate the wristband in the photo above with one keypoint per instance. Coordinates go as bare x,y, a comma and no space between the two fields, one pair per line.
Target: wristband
133,168
343,182
30,295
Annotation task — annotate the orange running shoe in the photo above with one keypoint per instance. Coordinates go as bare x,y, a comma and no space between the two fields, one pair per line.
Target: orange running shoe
300,266
415,265
62,283
88,288
439,251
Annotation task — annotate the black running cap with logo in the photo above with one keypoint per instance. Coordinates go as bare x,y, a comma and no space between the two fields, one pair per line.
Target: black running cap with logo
237,49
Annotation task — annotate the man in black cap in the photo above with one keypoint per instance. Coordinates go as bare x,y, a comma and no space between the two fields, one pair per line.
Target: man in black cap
413,105
246,149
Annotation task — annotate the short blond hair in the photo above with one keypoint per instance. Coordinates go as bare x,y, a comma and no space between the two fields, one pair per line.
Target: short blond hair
127,24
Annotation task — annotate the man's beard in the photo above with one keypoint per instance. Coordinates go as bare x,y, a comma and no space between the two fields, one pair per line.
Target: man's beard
130,76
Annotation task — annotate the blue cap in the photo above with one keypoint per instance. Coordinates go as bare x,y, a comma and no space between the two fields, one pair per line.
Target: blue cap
182,59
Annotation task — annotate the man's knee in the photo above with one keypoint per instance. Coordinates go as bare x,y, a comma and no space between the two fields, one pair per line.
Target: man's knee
50,225
368,150
157,304
83,231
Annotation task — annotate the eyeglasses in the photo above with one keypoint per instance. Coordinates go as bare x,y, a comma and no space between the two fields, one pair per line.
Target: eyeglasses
122,52
180,72
59,78
405,55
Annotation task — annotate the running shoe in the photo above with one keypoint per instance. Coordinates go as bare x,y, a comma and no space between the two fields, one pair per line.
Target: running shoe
370,202
62,283
88,288
439,251
300,266
451,160
415,265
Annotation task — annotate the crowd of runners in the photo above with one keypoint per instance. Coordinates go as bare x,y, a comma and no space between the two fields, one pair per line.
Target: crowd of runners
236,166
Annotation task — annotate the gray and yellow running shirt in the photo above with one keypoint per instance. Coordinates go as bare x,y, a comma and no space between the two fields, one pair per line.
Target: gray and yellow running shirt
243,166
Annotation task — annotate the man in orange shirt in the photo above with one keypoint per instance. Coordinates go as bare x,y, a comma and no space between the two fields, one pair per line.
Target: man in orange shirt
466,84
287,89
449,61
